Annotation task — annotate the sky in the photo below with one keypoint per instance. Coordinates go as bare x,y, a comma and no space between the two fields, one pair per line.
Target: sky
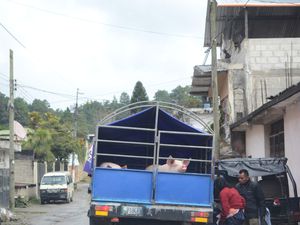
101,47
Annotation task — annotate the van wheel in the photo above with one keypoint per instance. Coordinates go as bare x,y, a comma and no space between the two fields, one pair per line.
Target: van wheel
43,202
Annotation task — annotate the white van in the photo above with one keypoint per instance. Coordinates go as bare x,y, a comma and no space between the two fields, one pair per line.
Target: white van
56,186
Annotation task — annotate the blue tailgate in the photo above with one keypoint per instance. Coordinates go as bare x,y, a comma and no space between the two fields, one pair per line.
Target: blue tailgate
122,185
183,189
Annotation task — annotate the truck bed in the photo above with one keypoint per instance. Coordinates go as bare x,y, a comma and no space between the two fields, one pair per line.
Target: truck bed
135,186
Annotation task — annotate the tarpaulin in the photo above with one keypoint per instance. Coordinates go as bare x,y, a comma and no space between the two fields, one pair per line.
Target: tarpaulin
255,166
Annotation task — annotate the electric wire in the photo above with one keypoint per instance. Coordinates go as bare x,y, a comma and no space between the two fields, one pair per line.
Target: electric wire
13,36
108,24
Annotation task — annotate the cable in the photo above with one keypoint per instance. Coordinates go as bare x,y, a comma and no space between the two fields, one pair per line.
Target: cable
16,39
28,97
6,80
246,3
49,92
22,116
4,75
108,24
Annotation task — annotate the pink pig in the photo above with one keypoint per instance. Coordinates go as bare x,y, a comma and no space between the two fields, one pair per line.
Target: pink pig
172,165
112,165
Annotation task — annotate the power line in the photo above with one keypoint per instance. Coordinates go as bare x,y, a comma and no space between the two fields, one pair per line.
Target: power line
6,80
4,75
24,94
45,91
13,36
22,88
109,24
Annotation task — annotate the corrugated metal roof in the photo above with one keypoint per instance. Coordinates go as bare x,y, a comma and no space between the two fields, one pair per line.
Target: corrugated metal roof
263,22
201,81
257,2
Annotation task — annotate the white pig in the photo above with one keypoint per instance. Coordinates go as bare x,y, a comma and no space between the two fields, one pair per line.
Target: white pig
172,165
112,165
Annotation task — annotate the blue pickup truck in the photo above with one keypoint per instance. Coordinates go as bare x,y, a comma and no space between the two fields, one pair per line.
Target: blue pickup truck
133,195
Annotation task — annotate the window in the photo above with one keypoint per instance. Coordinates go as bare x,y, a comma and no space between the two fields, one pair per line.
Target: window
52,180
277,139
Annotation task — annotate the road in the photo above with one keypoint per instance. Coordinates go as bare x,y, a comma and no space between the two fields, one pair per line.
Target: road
60,213
74,213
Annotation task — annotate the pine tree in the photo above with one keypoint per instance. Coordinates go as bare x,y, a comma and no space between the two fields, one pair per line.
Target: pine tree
124,99
139,93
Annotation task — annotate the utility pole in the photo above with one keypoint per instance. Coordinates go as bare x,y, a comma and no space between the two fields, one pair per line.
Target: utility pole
75,133
11,134
214,74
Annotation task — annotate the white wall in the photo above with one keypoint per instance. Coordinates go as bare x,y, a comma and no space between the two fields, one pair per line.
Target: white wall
255,141
292,140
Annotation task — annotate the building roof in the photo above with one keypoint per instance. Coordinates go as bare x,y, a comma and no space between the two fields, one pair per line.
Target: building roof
201,81
289,95
261,3
266,19
58,173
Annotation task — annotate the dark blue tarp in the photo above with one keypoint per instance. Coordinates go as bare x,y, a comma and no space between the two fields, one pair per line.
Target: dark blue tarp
146,119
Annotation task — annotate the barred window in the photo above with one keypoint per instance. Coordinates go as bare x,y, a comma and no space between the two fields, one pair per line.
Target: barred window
277,139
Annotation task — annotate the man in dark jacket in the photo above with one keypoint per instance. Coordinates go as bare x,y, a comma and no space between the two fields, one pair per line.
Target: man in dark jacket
255,200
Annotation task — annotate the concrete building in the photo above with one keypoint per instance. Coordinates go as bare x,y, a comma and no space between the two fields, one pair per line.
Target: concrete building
4,166
260,56
273,129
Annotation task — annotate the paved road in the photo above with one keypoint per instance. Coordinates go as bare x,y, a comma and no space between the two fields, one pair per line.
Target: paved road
74,213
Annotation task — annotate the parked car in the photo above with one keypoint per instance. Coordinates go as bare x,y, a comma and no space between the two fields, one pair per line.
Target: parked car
274,176
56,186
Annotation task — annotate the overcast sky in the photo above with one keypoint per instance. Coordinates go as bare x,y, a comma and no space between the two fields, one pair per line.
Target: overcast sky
102,47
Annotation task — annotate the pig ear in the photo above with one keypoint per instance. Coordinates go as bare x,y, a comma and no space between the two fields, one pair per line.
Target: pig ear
186,162
170,160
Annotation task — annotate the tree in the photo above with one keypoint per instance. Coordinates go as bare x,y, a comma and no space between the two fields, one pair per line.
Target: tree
41,106
65,116
139,93
50,139
114,104
124,99
180,95
22,110
3,111
162,95
40,142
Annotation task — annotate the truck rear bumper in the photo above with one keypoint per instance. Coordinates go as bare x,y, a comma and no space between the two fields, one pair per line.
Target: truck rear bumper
154,212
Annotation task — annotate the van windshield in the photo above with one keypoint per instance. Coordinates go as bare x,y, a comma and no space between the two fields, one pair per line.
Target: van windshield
53,180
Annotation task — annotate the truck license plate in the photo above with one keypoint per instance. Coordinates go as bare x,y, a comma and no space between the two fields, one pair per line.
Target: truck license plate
132,211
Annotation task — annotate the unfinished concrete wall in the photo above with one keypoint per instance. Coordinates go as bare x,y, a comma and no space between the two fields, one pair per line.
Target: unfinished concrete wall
275,65
236,78
24,172
291,139
259,68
